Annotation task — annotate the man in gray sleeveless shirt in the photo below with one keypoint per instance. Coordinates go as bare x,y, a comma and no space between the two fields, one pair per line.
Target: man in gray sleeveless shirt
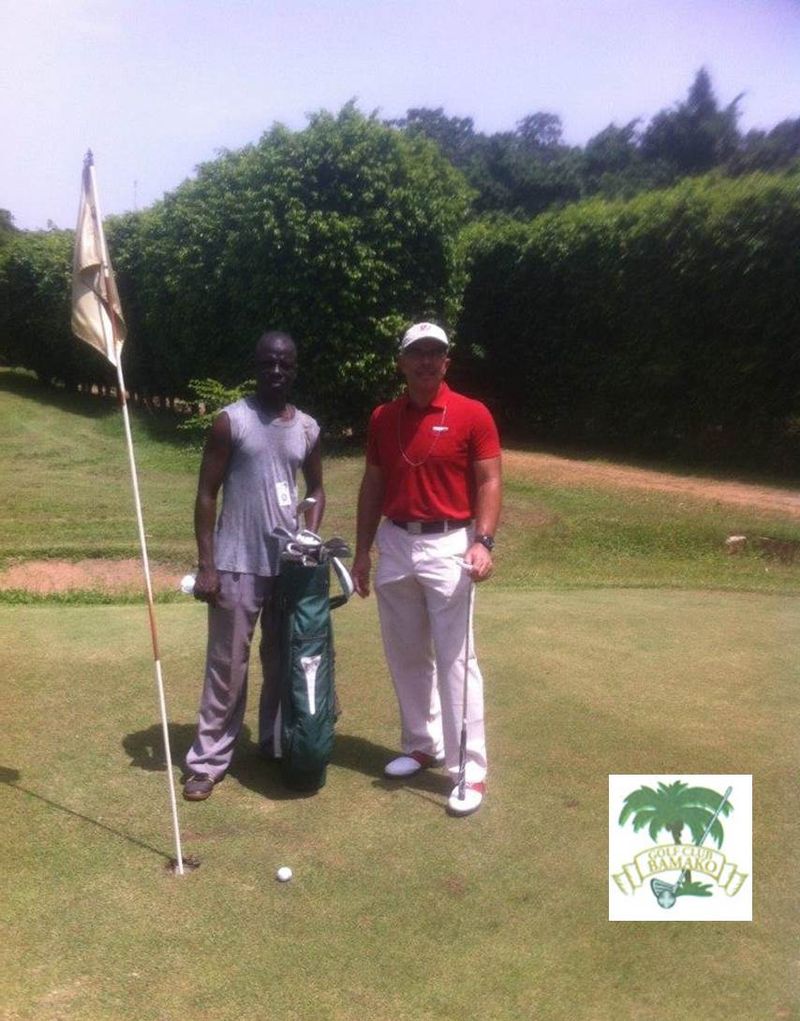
253,452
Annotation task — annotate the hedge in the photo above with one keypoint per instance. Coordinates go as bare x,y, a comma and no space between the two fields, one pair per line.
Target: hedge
669,324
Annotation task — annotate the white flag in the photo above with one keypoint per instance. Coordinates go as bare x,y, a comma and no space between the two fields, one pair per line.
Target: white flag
96,310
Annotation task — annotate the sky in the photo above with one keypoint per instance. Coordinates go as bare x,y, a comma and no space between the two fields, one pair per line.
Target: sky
155,87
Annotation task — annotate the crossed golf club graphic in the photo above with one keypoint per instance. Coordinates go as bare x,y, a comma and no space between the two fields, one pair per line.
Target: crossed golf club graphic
667,893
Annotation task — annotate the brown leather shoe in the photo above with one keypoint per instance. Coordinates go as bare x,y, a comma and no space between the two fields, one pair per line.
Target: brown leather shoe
198,787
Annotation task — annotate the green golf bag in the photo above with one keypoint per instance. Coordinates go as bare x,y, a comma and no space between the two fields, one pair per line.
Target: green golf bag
308,695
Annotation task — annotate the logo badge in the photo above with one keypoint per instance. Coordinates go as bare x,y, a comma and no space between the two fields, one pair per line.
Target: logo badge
680,847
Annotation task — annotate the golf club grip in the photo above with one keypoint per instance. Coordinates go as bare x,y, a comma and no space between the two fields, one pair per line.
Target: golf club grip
462,761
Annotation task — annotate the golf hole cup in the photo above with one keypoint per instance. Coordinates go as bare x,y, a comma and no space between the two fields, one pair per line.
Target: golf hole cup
187,584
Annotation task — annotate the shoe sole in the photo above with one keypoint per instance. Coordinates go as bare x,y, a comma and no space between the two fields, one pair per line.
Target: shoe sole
197,797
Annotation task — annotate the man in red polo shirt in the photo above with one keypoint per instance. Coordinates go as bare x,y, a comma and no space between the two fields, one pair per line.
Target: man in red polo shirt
433,472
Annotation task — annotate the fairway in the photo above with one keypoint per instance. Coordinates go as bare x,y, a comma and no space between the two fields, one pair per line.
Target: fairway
396,911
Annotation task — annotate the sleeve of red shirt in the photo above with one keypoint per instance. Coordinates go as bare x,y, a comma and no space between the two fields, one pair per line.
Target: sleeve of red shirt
485,439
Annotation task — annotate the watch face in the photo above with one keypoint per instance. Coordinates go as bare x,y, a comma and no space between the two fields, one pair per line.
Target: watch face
487,541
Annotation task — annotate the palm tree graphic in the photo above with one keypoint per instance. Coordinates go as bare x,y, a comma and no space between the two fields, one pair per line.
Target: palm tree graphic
672,807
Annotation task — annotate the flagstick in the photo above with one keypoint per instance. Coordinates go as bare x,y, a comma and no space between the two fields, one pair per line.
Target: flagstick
142,541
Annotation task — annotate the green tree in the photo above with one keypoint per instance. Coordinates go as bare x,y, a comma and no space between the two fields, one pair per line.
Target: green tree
7,228
697,134
612,164
35,304
539,133
339,233
521,172
455,136
768,150
673,807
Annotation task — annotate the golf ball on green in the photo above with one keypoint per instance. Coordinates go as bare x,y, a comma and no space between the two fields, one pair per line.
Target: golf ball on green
284,874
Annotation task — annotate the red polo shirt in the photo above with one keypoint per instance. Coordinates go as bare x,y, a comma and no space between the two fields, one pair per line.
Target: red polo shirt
426,455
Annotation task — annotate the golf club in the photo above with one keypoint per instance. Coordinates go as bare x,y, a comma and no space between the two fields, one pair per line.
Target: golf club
304,505
667,893
343,575
280,532
337,547
307,538
462,749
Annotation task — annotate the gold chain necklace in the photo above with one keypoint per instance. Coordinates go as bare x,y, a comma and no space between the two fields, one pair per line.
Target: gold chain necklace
437,432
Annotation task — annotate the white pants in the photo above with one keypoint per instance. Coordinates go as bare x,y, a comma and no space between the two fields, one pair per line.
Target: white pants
423,596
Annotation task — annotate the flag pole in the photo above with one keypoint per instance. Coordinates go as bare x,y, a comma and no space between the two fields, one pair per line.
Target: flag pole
116,348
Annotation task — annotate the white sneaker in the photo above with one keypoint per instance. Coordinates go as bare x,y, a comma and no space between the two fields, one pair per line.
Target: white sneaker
408,765
471,802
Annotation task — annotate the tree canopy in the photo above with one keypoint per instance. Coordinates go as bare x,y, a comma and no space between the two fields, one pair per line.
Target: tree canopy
639,291
528,170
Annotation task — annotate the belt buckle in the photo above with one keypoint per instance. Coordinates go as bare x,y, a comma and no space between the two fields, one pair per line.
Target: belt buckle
414,527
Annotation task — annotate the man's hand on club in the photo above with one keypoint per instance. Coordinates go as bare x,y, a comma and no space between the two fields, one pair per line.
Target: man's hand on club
206,586
479,560
362,565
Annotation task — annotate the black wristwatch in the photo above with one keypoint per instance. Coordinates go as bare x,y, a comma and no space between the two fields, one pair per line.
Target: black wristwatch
485,540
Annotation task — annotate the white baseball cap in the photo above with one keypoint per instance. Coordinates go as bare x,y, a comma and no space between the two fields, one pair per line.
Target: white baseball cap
423,331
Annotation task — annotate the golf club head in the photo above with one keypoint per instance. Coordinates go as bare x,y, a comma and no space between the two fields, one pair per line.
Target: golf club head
344,577
302,507
281,536
337,547
308,539
665,893
295,551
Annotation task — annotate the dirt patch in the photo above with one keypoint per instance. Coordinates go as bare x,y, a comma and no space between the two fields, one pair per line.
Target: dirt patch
46,577
566,472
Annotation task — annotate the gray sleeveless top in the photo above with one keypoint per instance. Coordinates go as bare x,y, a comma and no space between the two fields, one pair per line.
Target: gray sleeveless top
259,490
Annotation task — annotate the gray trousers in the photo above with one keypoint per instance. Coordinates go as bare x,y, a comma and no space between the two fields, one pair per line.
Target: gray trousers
231,624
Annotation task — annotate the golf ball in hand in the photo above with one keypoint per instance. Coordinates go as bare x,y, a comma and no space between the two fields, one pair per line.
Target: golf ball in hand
187,584
284,874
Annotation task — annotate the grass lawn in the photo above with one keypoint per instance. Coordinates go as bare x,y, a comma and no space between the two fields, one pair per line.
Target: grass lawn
617,638
395,911
65,492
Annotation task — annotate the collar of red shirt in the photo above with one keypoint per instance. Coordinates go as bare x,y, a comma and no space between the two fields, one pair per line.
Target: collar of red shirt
438,401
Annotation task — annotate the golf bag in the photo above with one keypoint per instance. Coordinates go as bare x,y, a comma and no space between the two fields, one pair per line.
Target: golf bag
308,695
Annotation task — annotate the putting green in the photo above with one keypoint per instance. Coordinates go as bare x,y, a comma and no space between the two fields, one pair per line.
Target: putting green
395,910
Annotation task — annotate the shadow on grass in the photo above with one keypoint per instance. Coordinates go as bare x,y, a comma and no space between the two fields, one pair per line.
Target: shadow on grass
356,753
70,401
684,465
10,778
249,767
160,424
263,776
